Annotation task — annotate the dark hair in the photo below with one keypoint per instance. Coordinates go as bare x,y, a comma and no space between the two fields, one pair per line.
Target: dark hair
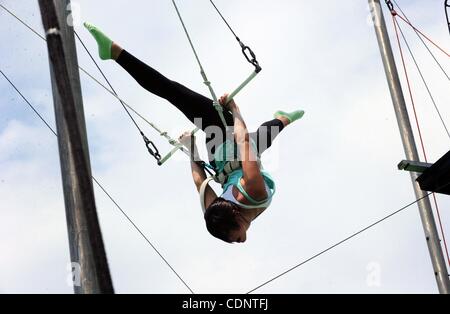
221,218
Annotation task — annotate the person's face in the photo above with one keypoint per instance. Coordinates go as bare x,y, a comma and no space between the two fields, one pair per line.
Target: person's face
239,235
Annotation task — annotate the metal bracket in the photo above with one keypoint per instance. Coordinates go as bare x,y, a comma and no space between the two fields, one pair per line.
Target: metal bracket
414,166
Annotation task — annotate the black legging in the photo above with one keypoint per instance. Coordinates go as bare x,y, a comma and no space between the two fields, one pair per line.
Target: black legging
193,105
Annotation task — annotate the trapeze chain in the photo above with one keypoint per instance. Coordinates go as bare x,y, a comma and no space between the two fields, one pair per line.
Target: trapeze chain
447,12
391,7
249,55
151,147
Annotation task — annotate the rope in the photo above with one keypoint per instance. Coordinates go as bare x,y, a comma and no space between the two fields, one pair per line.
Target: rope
216,104
171,141
410,89
246,50
425,36
424,81
88,74
249,55
226,22
397,27
164,134
21,21
156,128
29,104
267,282
151,147
425,44
144,237
438,212
101,186
107,81
167,263
337,244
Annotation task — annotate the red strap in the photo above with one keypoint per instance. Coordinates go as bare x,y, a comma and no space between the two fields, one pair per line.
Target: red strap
421,33
396,26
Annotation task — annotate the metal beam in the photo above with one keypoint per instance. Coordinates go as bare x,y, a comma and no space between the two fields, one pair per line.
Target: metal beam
85,239
409,145
413,166
437,177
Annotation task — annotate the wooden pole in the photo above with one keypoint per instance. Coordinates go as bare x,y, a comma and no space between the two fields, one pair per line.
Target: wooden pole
85,239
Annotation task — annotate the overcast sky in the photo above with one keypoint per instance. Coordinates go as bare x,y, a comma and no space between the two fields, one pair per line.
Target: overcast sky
336,170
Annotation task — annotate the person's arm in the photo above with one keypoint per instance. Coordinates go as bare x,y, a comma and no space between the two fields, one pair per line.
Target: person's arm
252,180
198,173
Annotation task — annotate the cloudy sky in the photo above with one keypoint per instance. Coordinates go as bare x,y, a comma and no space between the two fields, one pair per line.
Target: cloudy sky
335,170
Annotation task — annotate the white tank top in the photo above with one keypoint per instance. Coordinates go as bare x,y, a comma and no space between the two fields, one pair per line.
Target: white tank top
228,195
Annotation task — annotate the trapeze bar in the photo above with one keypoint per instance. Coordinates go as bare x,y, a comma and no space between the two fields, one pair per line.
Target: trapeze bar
170,154
230,97
174,150
245,83
437,177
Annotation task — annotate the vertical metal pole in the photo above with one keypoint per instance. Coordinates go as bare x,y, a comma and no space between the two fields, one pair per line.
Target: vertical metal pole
426,213
87,251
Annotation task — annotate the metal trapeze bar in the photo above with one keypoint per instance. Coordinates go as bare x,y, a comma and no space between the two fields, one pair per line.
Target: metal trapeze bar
230,97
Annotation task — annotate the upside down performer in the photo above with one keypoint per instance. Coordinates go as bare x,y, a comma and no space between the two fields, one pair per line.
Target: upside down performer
247,188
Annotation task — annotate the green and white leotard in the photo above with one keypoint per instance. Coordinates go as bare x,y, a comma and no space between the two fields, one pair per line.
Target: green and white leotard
227,152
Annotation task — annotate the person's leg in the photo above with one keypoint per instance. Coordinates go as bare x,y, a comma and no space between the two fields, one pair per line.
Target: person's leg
193,105
267,132
289,117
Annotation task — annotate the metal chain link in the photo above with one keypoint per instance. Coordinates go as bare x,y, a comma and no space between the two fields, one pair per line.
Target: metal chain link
151,147
246,50
447,13
391,7
389,4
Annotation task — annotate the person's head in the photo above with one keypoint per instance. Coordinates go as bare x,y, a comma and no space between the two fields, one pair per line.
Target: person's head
225,221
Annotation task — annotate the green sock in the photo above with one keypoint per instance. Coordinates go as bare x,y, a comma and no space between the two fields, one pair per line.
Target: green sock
104,43
292,117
